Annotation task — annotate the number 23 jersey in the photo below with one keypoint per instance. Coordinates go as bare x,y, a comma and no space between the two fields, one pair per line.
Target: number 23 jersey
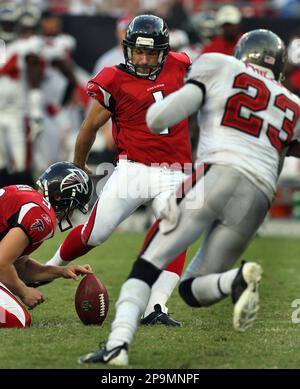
247,117
128,97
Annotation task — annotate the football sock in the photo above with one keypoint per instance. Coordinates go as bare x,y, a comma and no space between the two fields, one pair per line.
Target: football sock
161,291
212,288
176,266
71,248
133,298
226,280
166,282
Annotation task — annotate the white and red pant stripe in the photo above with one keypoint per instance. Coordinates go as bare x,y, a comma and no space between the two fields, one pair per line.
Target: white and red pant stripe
12,313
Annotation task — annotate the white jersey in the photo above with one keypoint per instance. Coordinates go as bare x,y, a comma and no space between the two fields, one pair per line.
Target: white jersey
13,77
247,117
58,47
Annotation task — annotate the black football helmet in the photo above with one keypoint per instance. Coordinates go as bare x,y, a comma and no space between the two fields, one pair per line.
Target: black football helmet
263,48
66,187
146,32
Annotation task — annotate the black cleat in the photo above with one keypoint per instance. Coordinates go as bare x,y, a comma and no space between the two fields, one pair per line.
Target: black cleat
245,297
159,317
117,356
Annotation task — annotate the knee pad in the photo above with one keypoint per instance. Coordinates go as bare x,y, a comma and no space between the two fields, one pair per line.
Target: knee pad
185,291
145,271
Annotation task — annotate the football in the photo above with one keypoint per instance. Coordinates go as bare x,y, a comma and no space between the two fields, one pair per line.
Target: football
91,300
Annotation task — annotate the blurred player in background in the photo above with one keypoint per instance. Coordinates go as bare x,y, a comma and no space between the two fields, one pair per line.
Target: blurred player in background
20,103
58,87
228,20
149,167
247,118
28,217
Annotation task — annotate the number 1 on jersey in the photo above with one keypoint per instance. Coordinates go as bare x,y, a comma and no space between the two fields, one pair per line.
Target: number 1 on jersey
158,96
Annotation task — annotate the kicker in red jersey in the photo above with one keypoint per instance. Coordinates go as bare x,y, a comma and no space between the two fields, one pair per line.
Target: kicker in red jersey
128,101
22,206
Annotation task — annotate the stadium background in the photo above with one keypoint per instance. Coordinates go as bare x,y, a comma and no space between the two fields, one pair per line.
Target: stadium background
102,28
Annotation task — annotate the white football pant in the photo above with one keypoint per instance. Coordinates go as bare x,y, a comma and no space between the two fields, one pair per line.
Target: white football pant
12,313
130,185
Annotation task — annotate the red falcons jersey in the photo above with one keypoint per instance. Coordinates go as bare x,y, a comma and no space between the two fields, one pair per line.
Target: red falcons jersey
128,98
21,206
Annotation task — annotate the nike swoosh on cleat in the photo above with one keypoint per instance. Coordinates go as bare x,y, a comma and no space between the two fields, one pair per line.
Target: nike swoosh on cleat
106,357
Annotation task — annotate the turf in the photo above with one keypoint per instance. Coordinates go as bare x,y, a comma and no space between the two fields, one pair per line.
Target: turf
56,337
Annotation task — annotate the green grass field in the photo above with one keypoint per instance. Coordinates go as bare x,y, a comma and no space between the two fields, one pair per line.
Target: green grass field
207,340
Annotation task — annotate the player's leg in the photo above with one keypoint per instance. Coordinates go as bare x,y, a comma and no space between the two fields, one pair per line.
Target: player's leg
115,203
12,313
135,291
156,311
207,279
20,151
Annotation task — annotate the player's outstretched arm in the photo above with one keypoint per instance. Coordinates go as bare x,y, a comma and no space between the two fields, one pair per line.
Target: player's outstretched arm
31,271
96,117
174,108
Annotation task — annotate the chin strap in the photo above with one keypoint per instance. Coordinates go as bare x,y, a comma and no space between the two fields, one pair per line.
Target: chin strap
68,221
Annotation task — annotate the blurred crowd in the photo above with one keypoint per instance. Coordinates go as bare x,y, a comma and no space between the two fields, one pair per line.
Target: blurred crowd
117,8
42,89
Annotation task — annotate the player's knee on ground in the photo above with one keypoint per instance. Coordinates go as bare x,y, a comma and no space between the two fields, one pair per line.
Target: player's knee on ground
145,271
10,320
185,291
12,313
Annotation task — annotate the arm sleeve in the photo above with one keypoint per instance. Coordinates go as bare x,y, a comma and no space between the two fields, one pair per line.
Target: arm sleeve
34,222
101,88
175,107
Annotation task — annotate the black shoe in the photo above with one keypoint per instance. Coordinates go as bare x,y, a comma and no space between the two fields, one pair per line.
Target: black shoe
159,317
244,294
117,356
37,284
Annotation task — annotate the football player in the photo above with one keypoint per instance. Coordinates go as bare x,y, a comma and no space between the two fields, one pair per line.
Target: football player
246,118
20,104
27,218
149,166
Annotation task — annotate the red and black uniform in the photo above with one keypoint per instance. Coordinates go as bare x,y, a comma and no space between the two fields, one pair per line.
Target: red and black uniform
128,99
22,206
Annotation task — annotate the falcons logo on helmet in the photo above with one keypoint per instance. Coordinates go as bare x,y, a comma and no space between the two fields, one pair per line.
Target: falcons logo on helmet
76,179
